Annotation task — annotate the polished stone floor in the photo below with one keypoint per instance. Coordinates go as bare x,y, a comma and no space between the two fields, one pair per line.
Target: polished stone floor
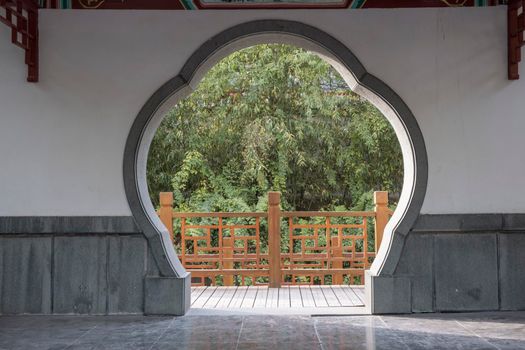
436,331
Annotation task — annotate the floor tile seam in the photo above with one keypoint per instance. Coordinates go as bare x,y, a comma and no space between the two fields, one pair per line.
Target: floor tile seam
317,334
393,330
240,333
162,334
477,335
382,321
81,336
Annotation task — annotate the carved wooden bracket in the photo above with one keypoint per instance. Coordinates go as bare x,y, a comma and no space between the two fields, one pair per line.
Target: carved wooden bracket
22,17
516,26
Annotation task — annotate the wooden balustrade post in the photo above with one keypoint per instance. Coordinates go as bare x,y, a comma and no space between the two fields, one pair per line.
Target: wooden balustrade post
337,252
382,216
274,238
227,253
166,211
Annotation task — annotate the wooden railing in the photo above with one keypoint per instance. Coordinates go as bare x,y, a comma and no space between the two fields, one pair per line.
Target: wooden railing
276,247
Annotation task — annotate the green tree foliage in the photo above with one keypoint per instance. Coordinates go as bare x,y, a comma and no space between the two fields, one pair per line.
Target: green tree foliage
274,117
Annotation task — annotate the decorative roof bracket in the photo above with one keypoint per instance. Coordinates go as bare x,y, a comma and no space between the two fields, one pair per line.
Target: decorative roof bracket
22,17
516,26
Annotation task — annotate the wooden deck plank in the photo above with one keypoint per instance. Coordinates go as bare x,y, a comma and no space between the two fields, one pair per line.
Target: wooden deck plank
360,292
330,296
319,298
295,297
195,292
205,295
306,295
262,294
344,299
262,297
273,298
284,296
352,295
215,297
226,297
238,297
249,297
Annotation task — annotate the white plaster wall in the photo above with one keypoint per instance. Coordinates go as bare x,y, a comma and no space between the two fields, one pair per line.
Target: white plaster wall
62,139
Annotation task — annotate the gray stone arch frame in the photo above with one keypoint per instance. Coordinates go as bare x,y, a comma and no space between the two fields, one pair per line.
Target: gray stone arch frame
357,78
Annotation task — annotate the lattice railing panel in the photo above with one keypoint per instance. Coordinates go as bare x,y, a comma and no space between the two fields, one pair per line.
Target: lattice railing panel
276,247
323,249
226,246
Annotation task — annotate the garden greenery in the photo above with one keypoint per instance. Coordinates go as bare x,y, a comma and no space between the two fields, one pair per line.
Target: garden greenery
274,118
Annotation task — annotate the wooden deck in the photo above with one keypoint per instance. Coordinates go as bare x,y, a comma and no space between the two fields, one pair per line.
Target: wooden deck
301,300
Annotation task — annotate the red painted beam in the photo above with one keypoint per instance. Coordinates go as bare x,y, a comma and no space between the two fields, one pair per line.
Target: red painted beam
128,4
425,3
204,4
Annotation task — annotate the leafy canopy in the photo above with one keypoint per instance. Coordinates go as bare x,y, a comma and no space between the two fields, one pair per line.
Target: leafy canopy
274,118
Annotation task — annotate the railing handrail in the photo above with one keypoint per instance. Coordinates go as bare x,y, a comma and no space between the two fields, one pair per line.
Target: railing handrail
322,214
257,214
178,214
